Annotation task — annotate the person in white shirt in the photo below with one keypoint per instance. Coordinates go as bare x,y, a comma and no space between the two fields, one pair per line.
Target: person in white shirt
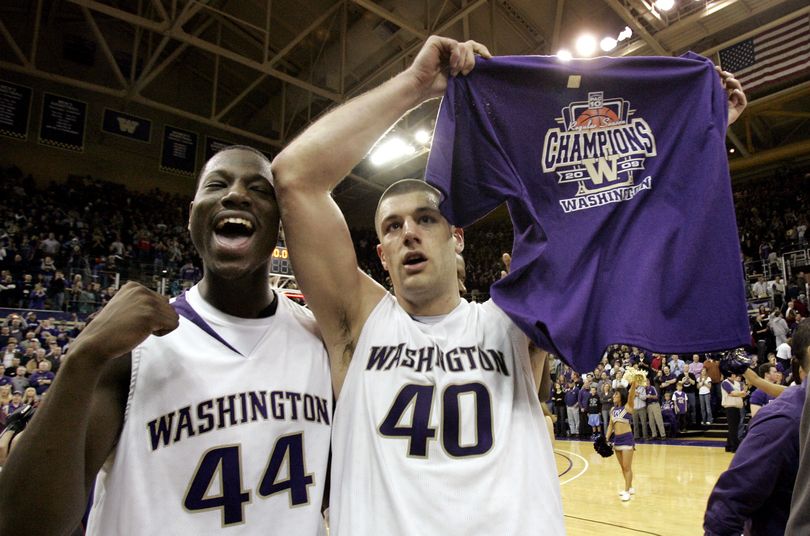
783,351
705,394
760,288
778,327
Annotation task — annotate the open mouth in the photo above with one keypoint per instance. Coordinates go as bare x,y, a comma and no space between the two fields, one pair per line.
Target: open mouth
233,232
414,260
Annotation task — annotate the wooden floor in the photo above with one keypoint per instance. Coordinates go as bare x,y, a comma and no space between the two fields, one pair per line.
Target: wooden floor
672,485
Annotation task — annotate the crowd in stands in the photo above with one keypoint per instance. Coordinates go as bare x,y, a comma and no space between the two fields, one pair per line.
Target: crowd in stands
772,218
62,246
66,248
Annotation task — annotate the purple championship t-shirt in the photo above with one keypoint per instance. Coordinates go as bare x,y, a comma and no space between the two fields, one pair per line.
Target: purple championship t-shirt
615,174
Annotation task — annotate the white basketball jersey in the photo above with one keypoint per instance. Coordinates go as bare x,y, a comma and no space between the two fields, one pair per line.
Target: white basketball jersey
438,430
217,442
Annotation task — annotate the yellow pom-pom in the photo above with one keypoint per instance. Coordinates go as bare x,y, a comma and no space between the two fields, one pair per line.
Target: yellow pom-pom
634,375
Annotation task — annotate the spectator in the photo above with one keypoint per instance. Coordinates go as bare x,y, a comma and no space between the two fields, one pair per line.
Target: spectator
606,400
759,289
668,413
759,398
654,417
778,327
681,406
10,352
42,379
594,410
676,366
572,408
56,291
20,381
668,380
16,402
558,399
30,397
705,394
733,395
689,382
695,366
584,394
4,380
713,370
640,414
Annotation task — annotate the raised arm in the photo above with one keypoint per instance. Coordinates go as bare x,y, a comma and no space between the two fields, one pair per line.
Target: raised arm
306,172
769,388
78,425
631,397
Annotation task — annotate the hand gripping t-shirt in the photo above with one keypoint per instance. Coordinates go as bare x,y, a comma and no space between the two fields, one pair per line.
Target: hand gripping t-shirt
615,175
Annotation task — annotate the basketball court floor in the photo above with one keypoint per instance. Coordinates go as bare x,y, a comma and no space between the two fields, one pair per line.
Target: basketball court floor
672,483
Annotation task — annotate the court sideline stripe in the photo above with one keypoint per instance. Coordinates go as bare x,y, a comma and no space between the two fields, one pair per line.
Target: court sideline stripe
570,463
581,472
613,525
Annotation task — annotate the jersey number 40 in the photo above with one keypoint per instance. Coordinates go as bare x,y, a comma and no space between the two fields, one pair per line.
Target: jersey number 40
419,400
220,468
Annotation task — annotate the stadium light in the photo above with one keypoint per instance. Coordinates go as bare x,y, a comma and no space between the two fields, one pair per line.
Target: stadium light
564,54
607,44
390,150
664,5
585,45
422,136
627,33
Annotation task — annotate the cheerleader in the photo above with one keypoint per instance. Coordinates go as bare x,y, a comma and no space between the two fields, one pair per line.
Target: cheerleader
622,435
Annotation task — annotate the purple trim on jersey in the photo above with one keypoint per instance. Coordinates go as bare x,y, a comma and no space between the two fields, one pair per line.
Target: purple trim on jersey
727,386
184,309
754,494
607,208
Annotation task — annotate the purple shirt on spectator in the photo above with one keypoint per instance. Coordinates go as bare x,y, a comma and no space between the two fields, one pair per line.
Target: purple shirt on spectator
584,395
761,398
572,397
754,494
652,395
4,380
666,378
36,379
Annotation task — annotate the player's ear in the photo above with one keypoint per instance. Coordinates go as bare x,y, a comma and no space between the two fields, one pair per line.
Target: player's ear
458,235
381,255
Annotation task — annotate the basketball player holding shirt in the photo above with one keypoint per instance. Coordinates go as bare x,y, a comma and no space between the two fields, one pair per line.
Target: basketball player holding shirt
219,424
438,428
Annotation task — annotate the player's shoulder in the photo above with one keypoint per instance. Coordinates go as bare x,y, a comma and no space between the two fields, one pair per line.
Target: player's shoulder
297,314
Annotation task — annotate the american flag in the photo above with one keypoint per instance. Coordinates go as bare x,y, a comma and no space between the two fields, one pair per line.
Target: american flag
775,55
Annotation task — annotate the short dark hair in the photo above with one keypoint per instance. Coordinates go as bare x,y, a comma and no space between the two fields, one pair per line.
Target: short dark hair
764,369
404,186
800,344
237,147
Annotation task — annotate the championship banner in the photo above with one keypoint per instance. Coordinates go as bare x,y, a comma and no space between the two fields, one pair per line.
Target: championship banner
179,151
127,126
62,123
214,145
15,109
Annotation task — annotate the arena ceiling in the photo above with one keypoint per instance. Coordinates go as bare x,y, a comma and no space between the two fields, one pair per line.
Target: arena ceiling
264,69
